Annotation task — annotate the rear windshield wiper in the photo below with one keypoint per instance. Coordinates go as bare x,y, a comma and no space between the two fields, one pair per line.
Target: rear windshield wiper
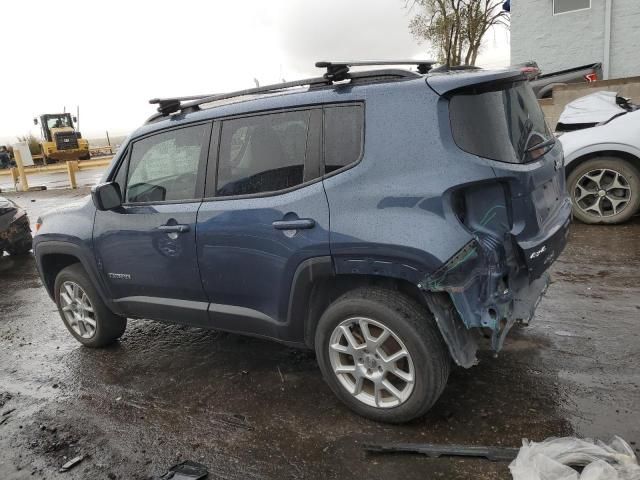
547,143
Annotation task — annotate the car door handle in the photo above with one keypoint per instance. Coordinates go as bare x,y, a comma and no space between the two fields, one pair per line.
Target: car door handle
298,224
174,228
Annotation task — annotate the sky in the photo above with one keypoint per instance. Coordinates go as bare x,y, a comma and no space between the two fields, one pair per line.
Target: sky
110,58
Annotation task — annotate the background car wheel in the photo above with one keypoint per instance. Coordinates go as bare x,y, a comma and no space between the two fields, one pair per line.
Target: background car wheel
82,310
604,190
382,354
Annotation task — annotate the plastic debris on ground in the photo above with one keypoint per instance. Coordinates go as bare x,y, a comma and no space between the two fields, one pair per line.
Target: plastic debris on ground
187,470
553,458
71,463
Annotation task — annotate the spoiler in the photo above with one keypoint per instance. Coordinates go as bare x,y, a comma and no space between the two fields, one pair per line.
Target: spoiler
447,82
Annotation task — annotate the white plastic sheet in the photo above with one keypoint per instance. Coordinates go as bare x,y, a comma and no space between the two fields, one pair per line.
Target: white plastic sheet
552,460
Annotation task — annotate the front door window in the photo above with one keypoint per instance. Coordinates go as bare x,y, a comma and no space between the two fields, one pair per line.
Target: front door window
165,167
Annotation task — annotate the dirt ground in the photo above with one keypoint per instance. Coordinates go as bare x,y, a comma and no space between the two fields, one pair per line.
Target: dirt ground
250,409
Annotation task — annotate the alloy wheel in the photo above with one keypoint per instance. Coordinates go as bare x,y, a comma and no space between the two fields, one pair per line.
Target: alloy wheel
602,192
77,309
371,362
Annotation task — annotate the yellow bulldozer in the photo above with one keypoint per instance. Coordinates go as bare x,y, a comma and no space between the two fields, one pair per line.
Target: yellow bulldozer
60,140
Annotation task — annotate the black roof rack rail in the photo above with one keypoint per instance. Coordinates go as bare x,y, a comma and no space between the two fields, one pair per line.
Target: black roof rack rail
167,106
337,71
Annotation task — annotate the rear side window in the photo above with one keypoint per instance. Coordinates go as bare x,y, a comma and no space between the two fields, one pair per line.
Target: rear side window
500,124
343,128
165,167
262,153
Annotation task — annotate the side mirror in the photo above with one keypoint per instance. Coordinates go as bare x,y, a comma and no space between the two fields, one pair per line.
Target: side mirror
106,196
75,120
35,121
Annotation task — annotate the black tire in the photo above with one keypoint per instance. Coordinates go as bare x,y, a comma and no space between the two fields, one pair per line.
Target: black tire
413,324
622,167
109,327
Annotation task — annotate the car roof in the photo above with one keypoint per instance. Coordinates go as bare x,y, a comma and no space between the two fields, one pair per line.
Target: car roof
440,83
283,99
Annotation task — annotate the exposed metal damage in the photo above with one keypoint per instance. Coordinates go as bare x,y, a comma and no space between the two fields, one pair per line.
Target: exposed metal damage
488,281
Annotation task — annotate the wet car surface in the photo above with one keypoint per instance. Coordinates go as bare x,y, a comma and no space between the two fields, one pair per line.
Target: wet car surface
248,408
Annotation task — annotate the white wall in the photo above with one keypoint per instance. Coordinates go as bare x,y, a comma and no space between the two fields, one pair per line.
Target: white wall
571,39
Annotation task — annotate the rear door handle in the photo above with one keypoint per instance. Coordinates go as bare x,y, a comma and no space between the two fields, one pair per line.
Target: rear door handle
299,224
174,228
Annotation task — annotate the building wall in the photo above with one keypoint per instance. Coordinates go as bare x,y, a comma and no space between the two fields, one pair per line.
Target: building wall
625,38
571,39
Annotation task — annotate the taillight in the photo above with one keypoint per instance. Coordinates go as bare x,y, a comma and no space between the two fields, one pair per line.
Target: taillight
38,224
530,72
591,77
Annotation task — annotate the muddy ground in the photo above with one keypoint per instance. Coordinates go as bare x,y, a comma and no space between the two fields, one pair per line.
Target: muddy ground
250,409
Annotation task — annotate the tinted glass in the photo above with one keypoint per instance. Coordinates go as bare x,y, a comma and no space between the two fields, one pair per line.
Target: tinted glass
562,6
264,153
343,136
498,124
165,166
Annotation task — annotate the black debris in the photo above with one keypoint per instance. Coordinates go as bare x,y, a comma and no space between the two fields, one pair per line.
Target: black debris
186,470
495,454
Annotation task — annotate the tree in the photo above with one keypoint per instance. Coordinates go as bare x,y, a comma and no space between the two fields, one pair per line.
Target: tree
455,28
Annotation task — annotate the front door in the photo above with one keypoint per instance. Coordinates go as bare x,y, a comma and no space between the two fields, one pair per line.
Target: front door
268,214
147,248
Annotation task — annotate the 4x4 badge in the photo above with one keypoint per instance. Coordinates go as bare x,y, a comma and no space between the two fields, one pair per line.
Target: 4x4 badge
538,252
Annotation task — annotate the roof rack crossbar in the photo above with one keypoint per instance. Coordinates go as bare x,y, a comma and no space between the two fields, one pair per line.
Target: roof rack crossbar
167,106
337,71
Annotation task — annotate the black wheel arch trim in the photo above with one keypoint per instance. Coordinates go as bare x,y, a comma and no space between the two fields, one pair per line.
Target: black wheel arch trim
85,258
460,341
306,275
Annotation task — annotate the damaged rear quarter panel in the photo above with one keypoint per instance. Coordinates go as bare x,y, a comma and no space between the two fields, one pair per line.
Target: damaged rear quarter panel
376,231
519,226
418,236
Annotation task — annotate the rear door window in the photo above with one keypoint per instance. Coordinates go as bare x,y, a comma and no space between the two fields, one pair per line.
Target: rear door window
261,154
499,123
343,132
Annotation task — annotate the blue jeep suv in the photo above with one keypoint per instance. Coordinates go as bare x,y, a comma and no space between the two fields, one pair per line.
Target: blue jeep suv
391,220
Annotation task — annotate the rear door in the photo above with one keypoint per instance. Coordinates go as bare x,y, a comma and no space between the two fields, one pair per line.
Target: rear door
265,214
146,249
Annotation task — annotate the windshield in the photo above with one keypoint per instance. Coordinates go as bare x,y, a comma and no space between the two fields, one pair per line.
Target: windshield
59,121
500,123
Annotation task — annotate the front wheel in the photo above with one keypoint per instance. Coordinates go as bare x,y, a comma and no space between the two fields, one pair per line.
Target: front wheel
382,354
82,310
604,190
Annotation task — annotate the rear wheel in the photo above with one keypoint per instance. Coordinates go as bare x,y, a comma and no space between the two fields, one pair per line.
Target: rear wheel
382,354
82,310
604,190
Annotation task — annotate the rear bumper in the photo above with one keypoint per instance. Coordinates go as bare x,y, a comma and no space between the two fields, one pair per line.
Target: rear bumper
494,283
